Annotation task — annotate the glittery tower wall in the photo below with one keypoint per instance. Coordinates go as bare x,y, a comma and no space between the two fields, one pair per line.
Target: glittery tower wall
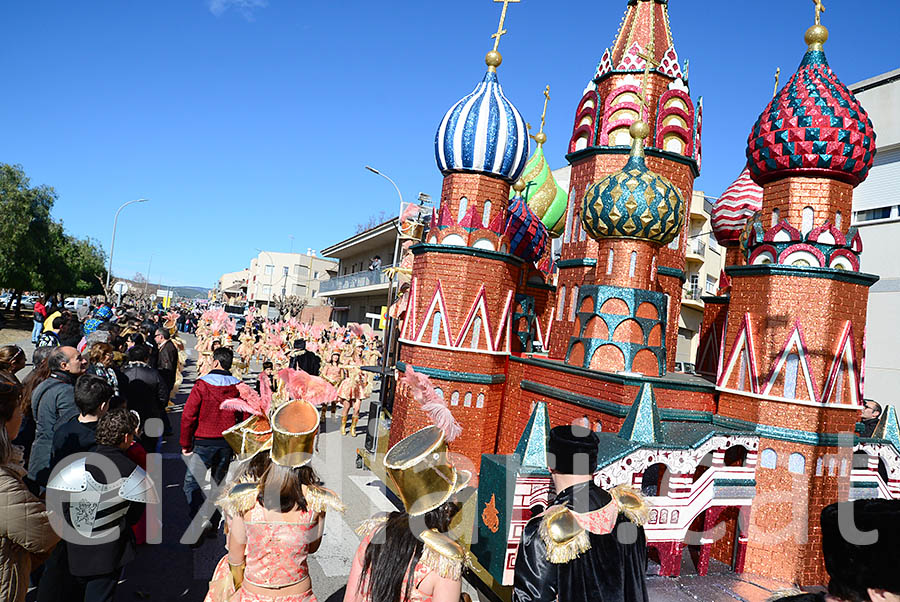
463,349
800,321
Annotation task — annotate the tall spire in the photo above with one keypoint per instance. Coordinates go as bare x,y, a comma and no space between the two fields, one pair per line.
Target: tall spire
646,23
494,58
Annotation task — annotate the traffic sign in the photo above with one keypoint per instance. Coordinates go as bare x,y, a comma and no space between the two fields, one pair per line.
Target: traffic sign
120,287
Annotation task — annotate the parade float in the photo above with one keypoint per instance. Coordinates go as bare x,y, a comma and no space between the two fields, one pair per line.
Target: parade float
737,462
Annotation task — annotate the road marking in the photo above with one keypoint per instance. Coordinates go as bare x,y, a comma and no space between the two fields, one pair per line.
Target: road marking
373,489
339,543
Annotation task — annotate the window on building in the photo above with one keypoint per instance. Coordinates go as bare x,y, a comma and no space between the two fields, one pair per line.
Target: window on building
463,207
713,244
797,463
806,223
711,285
267,290
479,401
486,214
573,305
270,269
791,366
632,264
560,311
436,328
873,214
838,218
467,400
768,458
776,217
299,290
454,398
315,275
609,261
476,332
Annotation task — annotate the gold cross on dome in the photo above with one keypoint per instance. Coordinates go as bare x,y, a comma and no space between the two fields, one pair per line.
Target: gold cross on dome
500,31
649,63
777,78
820,8
546,100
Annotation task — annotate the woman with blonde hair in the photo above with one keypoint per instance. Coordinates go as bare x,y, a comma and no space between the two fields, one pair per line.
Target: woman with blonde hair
26,537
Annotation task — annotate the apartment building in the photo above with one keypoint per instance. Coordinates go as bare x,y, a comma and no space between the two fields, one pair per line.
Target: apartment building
273,274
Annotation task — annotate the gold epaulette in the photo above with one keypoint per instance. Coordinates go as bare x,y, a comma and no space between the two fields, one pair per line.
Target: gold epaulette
631,503
319,499
371,525
443,555
240,498
564,538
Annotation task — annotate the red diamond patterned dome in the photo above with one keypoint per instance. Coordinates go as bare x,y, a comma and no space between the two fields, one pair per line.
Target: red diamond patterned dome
736,205
814,126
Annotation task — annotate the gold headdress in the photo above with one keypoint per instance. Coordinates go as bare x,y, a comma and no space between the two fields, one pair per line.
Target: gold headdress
294,429
419,467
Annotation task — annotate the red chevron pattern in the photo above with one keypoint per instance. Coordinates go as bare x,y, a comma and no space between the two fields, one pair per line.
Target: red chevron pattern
736,205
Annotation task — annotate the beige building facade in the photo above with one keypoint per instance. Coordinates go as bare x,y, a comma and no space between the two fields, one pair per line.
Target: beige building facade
273,274
876,212
703,266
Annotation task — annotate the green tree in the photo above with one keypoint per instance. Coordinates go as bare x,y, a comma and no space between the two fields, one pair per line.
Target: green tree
24,229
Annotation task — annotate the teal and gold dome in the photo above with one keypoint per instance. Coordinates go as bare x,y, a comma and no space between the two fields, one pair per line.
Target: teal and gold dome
634,202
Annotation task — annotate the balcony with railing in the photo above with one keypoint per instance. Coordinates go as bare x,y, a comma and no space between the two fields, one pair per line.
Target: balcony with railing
358,282
696,249
692,296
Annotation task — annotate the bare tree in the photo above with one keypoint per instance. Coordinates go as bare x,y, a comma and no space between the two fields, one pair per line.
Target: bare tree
372,221
289,306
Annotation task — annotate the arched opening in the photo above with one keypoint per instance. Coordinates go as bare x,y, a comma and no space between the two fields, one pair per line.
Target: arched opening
776,217
467,400
596,329
476,333
654,339
484,243
562,303
797,463
838,218
454,398
806,224
463,207
768,458
655,480
486,214
609,261
573,303
791,367
645,362
647,310
479,401
629,331
609,358
704,465
615,306
632,263
736,455
436,328
576,355
587,306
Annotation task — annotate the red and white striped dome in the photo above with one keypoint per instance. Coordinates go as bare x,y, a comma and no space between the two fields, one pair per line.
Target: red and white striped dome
736,205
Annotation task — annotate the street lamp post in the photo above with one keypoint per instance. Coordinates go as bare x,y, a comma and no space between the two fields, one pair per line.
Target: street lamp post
112,246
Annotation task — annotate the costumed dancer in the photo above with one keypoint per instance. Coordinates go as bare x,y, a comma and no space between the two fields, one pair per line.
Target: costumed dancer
278,522
246,348
589,545
352,389
333,373
409,556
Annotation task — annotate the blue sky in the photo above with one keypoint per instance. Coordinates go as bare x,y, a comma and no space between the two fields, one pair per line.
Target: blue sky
248,121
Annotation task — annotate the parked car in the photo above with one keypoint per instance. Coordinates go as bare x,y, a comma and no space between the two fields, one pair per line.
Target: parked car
685,367
73,303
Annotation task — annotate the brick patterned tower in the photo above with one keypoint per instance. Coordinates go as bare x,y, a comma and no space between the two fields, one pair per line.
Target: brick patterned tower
794,336
600,144
458,329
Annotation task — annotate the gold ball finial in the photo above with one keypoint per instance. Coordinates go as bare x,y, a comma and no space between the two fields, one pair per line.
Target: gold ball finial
540,137
639,130
519,186
816,36
493,59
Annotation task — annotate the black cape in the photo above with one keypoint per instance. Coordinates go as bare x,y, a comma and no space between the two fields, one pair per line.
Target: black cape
609,572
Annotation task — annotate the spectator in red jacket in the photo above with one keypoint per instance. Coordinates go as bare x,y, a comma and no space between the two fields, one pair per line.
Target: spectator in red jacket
202,425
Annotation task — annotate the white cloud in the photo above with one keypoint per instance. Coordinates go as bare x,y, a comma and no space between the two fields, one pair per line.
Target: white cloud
245,7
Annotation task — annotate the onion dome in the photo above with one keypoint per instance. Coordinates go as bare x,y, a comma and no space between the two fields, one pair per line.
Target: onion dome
736,205
814,126
527,235
634,202
483,133
542,193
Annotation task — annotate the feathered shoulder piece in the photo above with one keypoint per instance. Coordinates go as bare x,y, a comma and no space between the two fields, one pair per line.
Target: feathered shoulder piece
249,401
563,536
371,525
239,498
422,390
443,555
302,385
319,499
632,504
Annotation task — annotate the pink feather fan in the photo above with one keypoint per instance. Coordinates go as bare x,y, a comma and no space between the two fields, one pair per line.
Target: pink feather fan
302,385
434,405
250,401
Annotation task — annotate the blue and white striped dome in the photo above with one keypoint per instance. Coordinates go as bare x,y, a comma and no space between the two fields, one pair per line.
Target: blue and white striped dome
483,132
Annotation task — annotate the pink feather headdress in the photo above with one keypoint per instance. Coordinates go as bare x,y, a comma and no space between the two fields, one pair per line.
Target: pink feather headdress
422,390
302,385
409,212
250,401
